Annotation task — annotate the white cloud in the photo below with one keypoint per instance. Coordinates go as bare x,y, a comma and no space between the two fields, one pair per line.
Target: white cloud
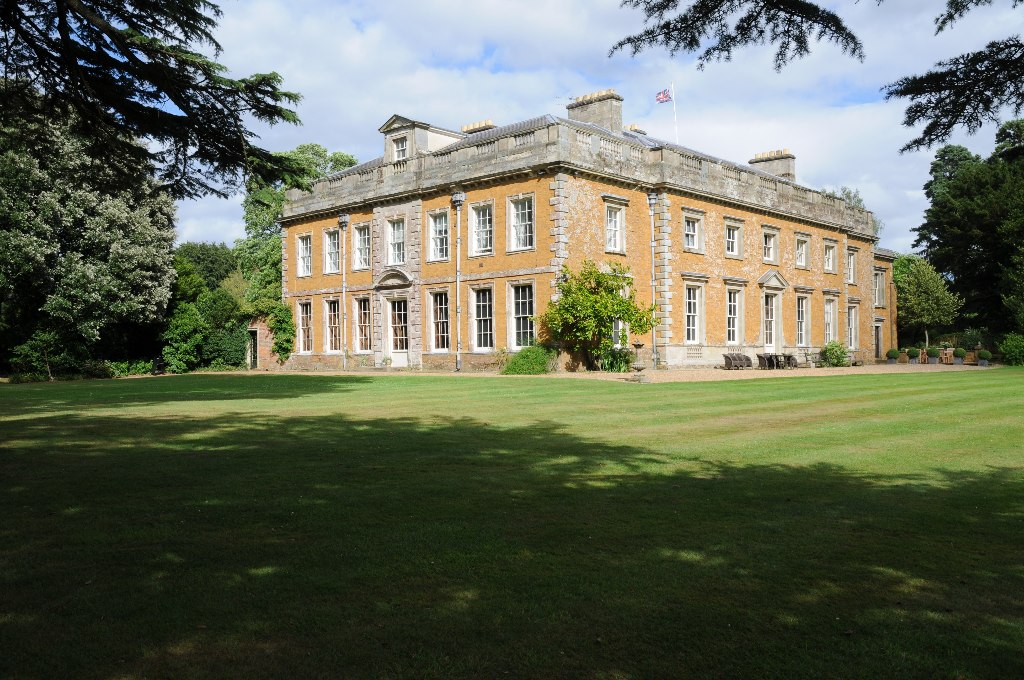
450,63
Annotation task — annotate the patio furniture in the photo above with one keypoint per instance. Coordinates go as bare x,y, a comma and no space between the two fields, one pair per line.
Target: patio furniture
762,362
946,357
730,362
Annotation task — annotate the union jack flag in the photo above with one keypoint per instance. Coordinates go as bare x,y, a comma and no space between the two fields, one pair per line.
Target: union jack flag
663,97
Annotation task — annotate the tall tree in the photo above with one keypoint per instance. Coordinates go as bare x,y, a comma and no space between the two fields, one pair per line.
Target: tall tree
966,91
213,261
973,231
84,246
924,298
259,253
137,69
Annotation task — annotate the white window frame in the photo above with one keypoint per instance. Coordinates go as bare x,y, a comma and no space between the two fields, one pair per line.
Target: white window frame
770,240
696,236
803,320
361,250
614,228
304,256
396,245
879,290
357,318
477,347
528,230
852,326
435,321
737,253
332,246
829,263
440,237
736,317
477,229
514,315
830,319
401,148
398,338
304,327
620,332
693,308
851,266
802,255
328,335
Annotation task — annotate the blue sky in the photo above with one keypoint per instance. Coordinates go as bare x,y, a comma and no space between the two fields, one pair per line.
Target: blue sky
450,63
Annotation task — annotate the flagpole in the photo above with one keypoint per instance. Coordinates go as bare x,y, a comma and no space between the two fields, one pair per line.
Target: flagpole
675,119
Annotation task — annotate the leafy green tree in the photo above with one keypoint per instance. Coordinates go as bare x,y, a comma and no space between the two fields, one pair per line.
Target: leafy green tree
973,231
924,299
966,91
213,261
259,253
85,246
589,303
134,69
185,336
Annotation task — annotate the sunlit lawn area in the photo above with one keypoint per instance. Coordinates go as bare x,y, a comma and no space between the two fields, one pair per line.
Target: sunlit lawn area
428,527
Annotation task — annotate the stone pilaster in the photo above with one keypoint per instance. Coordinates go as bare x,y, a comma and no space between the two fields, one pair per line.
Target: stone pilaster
663,281
559,225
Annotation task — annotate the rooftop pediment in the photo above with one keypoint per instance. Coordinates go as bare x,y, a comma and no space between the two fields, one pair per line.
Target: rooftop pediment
397,122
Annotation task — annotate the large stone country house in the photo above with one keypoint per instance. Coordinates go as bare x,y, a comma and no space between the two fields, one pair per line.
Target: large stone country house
440,253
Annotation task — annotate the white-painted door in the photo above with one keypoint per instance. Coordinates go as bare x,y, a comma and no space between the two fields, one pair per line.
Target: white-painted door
398,332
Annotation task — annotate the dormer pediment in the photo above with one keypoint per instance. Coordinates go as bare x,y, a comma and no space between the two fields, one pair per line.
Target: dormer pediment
773,279
397,122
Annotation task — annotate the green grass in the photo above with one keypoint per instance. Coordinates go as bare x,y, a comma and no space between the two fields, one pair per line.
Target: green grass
427,527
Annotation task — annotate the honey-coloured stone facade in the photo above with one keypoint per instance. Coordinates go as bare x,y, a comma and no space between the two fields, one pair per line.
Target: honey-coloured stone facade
713,244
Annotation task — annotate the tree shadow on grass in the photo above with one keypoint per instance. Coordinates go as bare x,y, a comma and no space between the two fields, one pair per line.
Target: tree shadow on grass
91,394
327,547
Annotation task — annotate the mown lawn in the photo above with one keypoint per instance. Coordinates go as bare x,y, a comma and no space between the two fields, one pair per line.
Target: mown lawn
398,526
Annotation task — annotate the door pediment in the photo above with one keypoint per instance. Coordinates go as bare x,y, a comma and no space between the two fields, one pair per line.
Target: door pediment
392,278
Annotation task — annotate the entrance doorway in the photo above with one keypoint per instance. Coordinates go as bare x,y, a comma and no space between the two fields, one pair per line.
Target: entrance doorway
398,332
877,338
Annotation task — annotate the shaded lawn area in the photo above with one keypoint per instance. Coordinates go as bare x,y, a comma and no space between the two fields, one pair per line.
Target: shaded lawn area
431,527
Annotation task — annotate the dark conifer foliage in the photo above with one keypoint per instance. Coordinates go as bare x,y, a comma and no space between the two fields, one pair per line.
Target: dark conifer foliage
138,69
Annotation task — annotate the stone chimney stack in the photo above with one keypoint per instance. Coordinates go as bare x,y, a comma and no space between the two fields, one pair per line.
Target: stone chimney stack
602,108
780,163
479,126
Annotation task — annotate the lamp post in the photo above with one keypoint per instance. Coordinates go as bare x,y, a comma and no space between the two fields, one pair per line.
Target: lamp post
652,200
343,220
458,198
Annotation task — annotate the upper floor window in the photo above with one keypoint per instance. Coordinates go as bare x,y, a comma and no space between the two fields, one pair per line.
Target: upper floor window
770,241
613,228
332,252
693,236
305,256
439,236
396,241
733,239
401,148
802,247
851,266
482,238
522,223
361,253
830,257
879,289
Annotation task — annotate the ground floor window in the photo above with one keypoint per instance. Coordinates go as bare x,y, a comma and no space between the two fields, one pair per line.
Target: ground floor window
332,311
732,317
830,320
769,320
363,324
305,327
439,305
851,333
692,315
801,321
484,318
400,325
522,297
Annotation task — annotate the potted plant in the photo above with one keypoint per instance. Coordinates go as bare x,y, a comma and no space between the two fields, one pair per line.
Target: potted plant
933,354
912,353
892,355
984,356
958,356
